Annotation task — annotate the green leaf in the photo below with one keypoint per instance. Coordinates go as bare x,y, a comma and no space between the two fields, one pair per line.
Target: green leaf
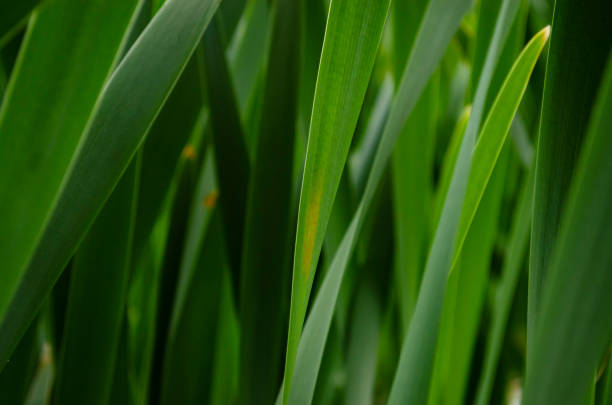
96,300
579,47
45,110
461,312
125,110
429,48
413,167
574,326
162,149
228,137
224,384
363,348
189,360
197,288
472,172
179,215
267,248
513,263
353,32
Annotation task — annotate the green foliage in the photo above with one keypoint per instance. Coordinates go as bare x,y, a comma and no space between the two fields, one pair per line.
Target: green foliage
305,201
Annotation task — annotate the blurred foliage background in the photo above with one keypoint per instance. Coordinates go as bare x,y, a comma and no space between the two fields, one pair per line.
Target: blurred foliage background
305,201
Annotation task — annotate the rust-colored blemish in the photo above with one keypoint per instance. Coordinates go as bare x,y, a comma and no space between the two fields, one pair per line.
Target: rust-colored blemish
312,221
189,152
211,199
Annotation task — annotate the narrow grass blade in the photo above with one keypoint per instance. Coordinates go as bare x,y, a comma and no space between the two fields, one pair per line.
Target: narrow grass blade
247,50
192,282
574,328
413,168
363,348
579,47
469,180
124,112
40,391
224,384
96,300
182,197
43,115
162,149
353,32
189,360
465,295
231,154
267,248
428,51
513,262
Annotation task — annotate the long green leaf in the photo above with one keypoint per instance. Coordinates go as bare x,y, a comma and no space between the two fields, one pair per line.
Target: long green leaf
574,324
363,348
231,154
428,51
513,261
45,110
98,286
472,172
353,32
267,248
124,112
580,43
162,149
461,313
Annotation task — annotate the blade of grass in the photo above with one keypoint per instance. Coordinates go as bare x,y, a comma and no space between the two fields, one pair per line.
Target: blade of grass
469,180
40,391
231,154
246,53
189,360
426,54
413,166
512,266
186,178
267,248
353,32
579,46
224,384
192,294
127,106
162,149
461,313
96,298
43,116
574,326
363,348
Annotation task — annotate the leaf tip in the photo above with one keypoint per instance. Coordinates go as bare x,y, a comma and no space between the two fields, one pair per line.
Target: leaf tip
545,33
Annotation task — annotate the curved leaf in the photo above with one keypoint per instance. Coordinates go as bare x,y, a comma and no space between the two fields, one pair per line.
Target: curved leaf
124,112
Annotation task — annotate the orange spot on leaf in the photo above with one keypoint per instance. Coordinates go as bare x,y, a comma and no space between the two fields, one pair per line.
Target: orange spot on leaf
189,152
312,221
211,199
